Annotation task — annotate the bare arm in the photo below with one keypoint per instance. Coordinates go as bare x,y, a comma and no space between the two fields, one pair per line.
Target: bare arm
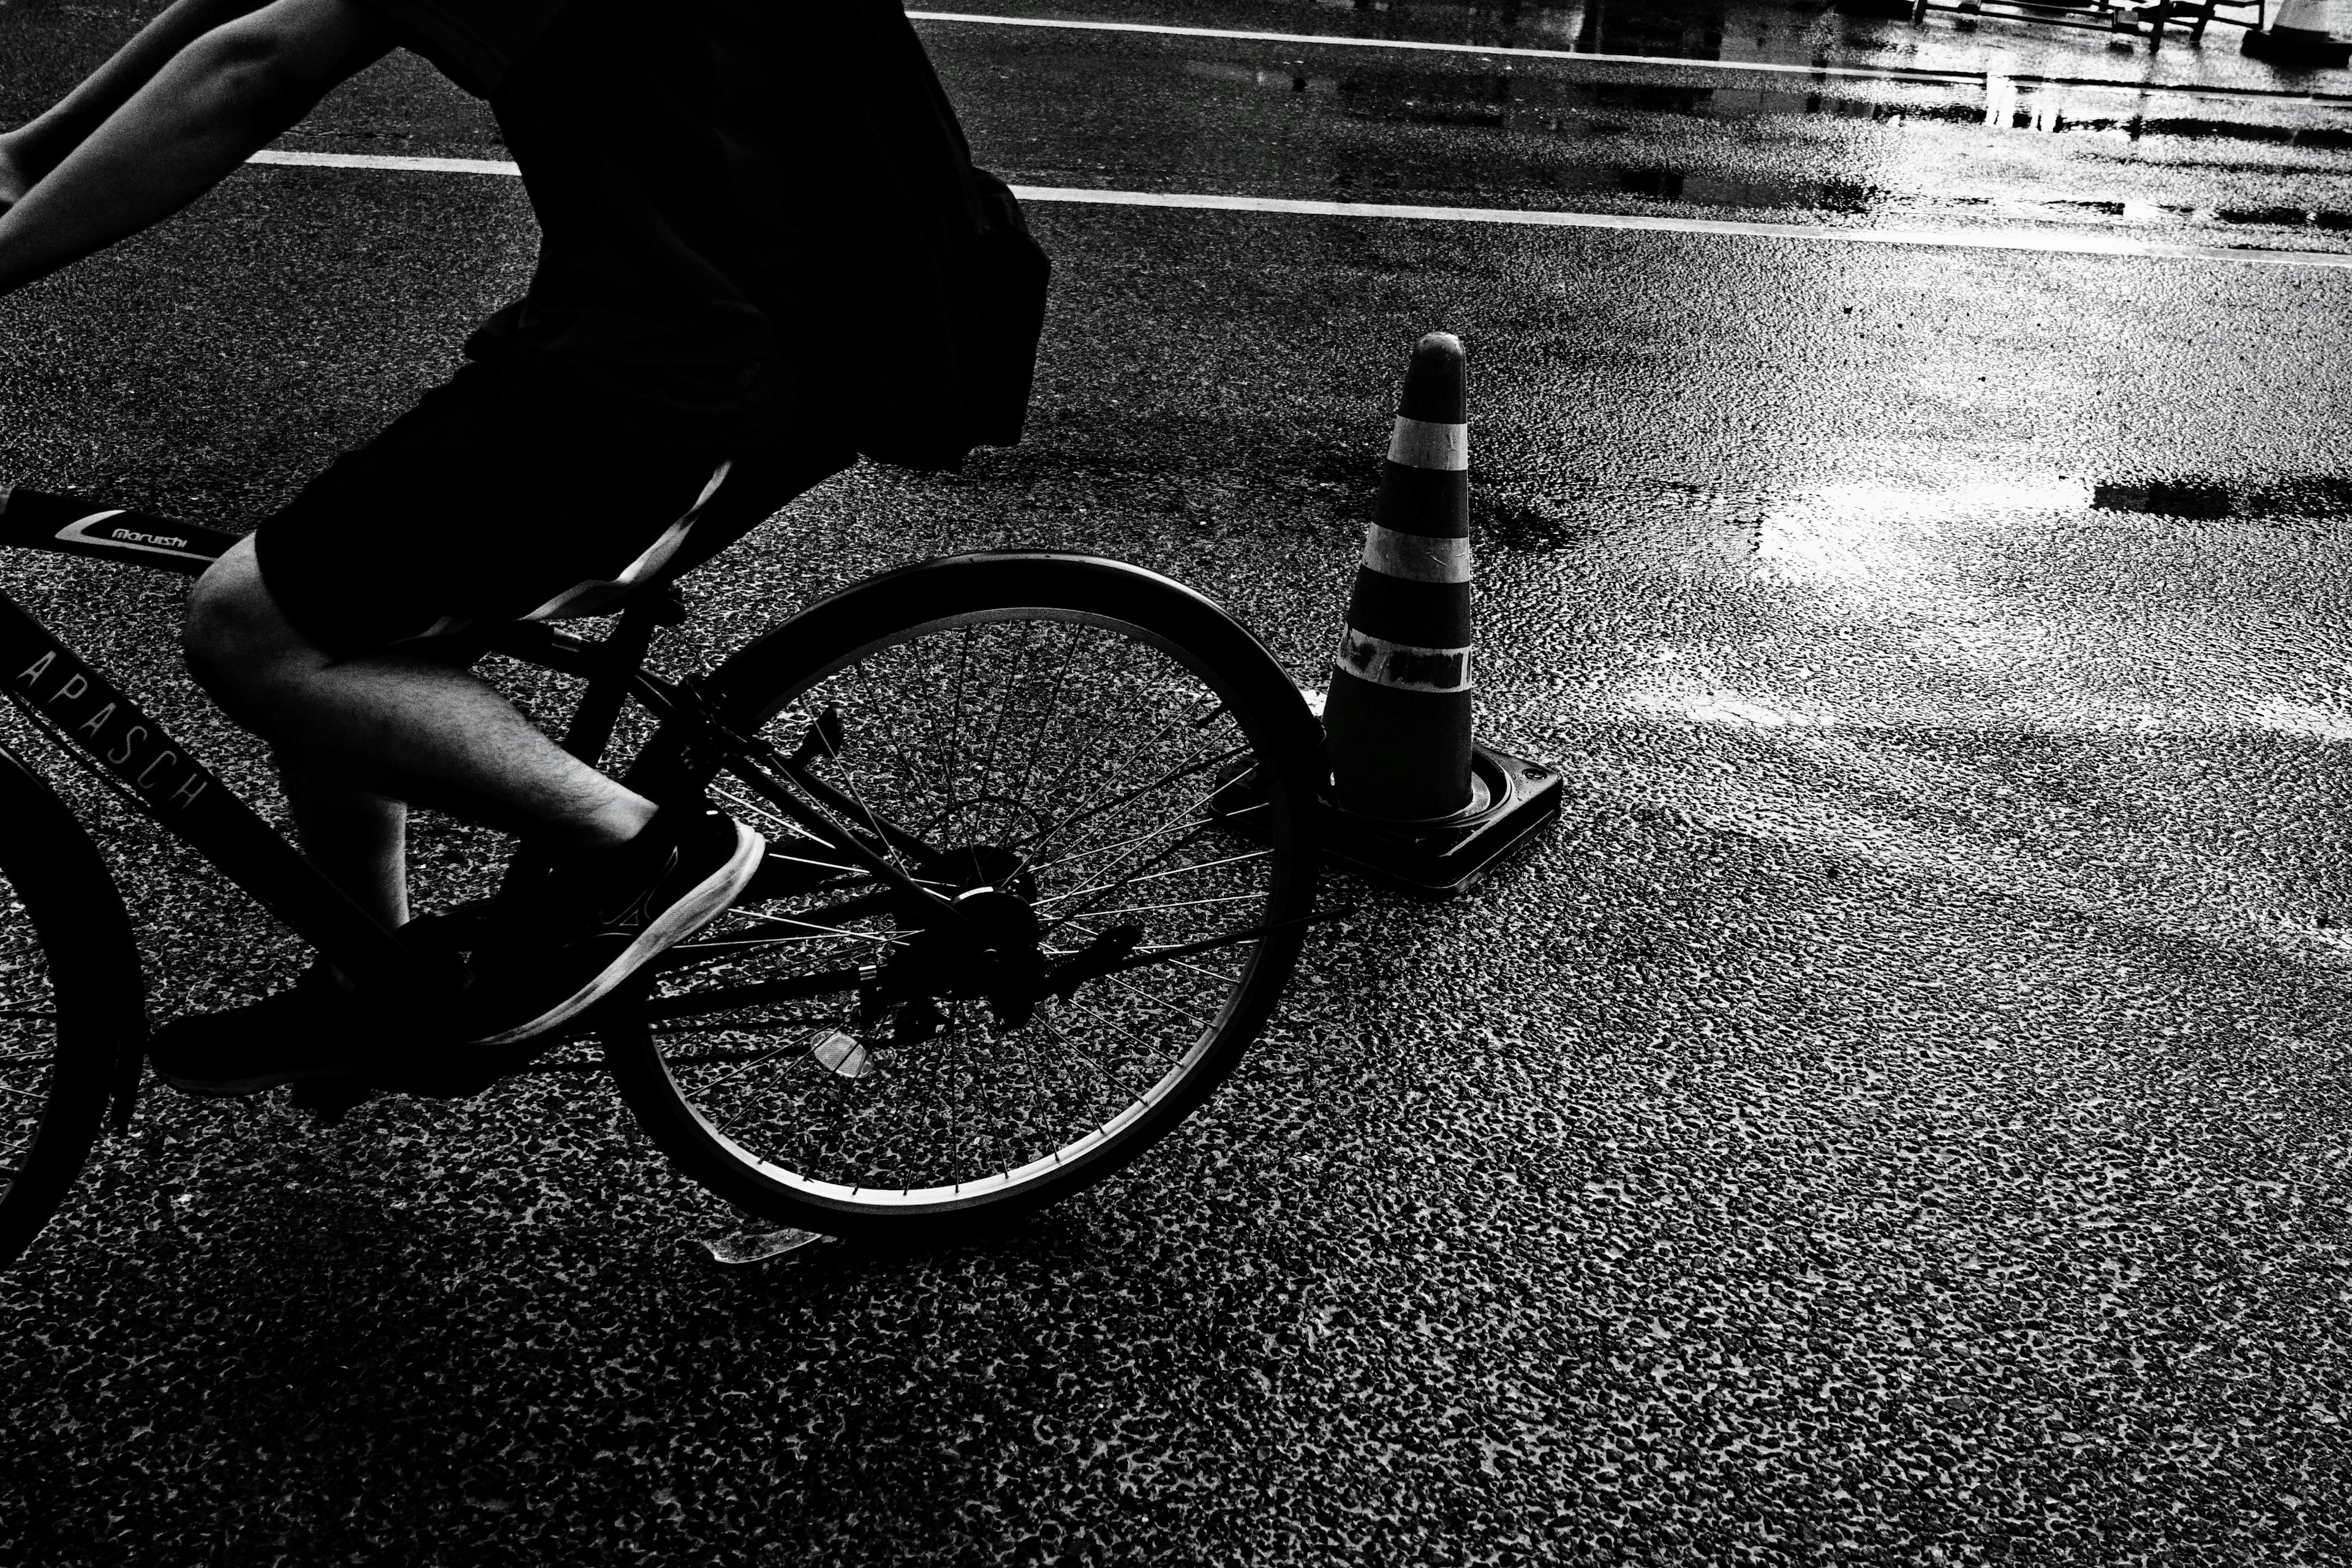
38,145
213,103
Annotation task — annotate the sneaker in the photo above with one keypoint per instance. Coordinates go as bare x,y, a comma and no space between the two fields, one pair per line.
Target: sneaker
608,913
284,1039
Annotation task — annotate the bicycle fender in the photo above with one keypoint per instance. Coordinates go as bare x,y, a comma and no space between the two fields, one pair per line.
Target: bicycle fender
68,873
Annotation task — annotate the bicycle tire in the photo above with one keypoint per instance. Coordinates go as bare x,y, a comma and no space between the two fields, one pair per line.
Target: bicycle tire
939,1115
72,1003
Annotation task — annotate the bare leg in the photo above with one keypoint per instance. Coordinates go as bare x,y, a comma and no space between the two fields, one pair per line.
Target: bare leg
359,840
387,725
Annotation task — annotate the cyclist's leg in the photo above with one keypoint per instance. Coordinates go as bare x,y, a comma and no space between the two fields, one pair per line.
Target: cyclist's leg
394,723
488,502
358,838
464,509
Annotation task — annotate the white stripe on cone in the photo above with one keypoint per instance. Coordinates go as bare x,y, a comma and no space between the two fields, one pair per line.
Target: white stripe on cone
2303,18
1421,444
1415,557
1403,667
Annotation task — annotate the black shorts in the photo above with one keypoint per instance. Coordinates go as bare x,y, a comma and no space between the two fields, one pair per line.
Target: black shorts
514,493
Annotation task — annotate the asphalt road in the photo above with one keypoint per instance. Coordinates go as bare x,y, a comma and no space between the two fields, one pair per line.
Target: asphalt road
1898,1115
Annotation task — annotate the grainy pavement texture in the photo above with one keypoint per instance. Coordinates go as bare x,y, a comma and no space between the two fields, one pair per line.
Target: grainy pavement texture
1898,1115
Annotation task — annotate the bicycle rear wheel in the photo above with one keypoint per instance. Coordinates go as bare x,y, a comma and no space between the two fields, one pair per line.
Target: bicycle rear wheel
1114,786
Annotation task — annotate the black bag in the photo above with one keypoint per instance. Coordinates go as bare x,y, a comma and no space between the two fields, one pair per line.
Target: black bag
933,260
1011,272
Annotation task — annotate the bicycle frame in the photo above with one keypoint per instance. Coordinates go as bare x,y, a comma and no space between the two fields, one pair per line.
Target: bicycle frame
84,712
81,710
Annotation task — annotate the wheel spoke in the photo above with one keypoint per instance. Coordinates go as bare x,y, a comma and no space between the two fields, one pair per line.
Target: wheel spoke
1002,705
1155,875
1116,844
1182,771
1120,980
761,1059
849,777
1185,904
733,1026
1196,969
830,930
1032,764
1097,733
1088,1057
1046,724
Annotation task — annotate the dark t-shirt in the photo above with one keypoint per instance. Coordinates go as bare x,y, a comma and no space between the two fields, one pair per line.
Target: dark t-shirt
751,212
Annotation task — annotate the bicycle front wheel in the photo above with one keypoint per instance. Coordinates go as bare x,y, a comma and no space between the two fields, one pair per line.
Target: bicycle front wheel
1110,783
71,1003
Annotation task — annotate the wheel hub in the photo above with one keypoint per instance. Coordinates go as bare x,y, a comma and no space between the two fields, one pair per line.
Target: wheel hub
986,950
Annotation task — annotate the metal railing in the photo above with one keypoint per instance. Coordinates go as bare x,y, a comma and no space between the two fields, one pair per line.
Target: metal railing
2113,15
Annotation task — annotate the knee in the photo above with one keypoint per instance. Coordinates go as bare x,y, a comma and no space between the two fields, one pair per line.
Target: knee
234,637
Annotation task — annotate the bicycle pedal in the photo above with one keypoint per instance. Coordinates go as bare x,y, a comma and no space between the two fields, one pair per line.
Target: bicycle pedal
328,1098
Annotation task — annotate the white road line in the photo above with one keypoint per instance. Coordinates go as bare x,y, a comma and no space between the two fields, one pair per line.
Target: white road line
1867,73
1322,40
1956,238
387,161
2049,243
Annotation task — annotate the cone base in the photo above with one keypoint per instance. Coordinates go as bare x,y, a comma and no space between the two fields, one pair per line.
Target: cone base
1439,860
2297,48
1431,860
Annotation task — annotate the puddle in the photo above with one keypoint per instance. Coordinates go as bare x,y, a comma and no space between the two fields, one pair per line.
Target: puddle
1505,94
1700,189
2195,496
1539,103
1579,26
2152,212
2051,119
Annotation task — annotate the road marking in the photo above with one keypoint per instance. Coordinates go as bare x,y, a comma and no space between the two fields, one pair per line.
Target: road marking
1729,228
1955,239
1867,73
1330,40
387,161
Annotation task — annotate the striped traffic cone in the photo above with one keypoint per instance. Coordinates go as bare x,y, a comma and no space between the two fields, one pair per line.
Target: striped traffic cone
2301,32
1414,799
1399,710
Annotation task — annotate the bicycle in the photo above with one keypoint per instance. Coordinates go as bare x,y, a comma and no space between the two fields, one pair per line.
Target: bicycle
1042,857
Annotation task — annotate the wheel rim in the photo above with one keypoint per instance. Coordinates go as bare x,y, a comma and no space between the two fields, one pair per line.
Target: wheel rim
1069,781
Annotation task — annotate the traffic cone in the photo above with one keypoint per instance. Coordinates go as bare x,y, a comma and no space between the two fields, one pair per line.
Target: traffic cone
1398,714
2301,32
1414,799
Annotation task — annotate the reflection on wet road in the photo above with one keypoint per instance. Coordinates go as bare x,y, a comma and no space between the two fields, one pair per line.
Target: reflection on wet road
1900,1115
1315,120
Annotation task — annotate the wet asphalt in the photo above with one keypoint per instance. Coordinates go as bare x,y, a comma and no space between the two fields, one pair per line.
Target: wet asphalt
1898,1115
